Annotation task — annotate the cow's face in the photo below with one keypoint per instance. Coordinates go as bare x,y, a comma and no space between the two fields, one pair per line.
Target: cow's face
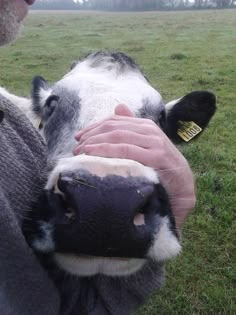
101,215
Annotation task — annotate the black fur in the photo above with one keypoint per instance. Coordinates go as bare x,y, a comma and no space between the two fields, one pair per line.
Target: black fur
120,58
38,83
151,111
197,106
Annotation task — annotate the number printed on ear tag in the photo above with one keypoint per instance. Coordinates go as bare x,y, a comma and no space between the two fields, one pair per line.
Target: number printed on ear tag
188,130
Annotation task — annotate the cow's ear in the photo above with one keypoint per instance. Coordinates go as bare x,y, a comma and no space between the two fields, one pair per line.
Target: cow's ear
185,118
41,91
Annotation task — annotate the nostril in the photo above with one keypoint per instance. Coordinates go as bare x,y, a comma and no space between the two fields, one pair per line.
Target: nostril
139,219
62,183
142,210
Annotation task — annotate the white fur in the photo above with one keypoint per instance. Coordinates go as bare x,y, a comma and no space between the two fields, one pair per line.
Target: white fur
101,91
45,243
91,265
25,104
43,95
170,105
102,167
166,245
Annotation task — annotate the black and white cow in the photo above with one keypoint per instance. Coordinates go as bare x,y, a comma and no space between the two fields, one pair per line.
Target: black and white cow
100,215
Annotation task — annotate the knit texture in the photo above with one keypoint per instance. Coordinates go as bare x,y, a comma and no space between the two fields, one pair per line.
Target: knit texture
25,288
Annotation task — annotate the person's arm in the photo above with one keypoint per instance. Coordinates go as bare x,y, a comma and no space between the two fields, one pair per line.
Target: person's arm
124,136
25,287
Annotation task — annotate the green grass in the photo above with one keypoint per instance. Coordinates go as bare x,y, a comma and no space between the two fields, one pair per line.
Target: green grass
179,52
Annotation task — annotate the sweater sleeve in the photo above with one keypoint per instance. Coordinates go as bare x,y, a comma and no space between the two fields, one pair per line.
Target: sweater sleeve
25,288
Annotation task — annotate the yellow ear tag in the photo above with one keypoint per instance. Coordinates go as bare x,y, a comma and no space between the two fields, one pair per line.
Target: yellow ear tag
188,130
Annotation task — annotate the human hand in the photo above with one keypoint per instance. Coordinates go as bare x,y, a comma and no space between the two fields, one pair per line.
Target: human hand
124,136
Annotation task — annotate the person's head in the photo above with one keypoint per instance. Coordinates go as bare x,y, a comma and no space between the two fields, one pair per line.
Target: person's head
12,13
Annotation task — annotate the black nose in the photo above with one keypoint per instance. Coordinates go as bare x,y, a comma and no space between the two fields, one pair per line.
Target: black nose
112,216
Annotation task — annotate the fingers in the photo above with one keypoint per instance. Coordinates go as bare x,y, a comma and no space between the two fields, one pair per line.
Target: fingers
123,110
108,124
181,208
123,151
118,137
118,131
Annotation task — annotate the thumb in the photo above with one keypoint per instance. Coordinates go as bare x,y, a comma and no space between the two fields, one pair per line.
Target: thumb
123,110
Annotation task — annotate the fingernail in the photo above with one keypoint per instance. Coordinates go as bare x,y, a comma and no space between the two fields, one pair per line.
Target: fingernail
78,135
76,151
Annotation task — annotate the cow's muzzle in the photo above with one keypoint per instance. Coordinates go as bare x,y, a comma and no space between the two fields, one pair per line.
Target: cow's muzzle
104,208
110,216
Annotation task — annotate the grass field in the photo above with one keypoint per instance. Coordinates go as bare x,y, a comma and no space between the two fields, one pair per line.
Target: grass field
179,52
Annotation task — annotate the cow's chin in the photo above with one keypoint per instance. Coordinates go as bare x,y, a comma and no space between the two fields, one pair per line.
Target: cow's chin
85,266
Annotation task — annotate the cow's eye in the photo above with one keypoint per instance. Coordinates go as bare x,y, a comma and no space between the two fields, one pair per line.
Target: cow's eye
70,214
162,119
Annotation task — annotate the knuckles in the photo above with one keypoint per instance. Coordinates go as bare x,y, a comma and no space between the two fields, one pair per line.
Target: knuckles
109,125
119,136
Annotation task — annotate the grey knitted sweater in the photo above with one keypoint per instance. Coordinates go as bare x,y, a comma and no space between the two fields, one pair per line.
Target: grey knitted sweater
25,287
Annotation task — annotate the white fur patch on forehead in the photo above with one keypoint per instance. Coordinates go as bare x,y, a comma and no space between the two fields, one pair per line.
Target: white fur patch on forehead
100,91
91,265
102,167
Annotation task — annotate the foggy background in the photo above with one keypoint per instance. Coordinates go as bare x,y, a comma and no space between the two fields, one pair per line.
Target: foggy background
132,5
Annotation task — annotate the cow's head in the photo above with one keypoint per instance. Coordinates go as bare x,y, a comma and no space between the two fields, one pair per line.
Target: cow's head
100,215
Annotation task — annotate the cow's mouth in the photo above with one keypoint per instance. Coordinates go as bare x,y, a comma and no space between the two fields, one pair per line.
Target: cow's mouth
85,265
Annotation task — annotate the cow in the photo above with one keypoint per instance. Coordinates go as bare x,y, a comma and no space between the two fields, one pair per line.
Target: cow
104,220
